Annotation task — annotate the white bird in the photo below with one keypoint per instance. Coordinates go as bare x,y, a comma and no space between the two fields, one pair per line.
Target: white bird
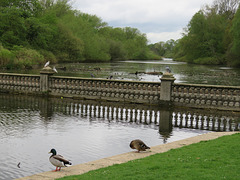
58,160
47,64
55,69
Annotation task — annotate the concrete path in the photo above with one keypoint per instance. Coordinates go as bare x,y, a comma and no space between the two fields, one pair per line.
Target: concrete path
122,158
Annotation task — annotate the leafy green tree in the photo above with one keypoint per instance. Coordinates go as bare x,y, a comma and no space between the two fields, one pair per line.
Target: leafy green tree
12,27
53,30
234,54
28,8
208,36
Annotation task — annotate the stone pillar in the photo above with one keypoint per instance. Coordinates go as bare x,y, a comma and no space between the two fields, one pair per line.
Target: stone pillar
44,76
166,87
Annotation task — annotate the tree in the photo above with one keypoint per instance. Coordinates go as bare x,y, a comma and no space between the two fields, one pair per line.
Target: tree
234,53
12,27
207,36
225,7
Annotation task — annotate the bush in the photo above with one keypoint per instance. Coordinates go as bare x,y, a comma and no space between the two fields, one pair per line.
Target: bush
26,58
6,56
209,60
153,56
48,56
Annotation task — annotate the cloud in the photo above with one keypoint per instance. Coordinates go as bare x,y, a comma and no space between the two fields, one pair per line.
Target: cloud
163,36
156,18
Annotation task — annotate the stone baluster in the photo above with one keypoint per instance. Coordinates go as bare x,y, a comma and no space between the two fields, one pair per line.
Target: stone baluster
219,97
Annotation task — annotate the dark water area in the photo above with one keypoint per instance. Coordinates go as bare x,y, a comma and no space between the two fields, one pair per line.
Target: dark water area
84,131
126,70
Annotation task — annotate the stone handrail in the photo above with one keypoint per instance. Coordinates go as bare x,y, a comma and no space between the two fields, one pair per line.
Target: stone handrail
104,89
207,96
21,83
165,92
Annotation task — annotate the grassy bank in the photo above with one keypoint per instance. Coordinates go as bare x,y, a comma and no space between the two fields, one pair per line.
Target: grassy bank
214,159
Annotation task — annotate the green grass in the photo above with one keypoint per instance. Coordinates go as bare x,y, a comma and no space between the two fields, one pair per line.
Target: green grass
214,159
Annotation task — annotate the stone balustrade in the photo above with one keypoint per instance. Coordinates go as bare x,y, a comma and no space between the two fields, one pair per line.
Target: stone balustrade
164,93
20,83
104,89
206,96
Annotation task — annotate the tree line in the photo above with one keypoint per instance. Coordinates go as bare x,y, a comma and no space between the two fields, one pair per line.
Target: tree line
35,31
211,37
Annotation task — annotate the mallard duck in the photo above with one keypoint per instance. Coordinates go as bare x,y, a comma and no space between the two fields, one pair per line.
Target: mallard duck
139,145
58,160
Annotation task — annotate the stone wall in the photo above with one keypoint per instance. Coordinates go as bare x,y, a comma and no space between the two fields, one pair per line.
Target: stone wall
19,83
104,89
164,93
206,96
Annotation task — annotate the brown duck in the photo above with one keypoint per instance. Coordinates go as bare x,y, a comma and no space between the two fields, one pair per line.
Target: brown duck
139,145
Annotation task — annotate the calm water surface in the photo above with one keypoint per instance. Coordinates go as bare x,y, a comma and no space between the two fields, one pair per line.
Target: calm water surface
31,126
184,73
81,131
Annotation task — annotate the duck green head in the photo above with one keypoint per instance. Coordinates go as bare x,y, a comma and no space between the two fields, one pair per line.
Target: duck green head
53,151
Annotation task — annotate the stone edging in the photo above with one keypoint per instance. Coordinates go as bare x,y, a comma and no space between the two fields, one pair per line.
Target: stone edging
122,158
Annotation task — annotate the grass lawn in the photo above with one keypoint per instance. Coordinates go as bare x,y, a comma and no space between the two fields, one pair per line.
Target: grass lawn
210,160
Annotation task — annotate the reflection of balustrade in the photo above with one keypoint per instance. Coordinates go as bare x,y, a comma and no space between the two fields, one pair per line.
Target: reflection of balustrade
164,119
210,122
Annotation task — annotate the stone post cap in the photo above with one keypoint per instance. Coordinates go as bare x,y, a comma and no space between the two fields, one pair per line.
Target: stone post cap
47,70
167,77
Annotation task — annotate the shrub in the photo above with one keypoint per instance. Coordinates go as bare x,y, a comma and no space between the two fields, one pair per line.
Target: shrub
26,58
209,60
48,56
6,56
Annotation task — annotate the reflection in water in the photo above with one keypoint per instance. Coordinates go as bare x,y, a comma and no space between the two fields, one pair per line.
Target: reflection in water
88,130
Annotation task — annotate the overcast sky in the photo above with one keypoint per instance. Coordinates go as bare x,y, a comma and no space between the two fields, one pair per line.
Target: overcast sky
160,20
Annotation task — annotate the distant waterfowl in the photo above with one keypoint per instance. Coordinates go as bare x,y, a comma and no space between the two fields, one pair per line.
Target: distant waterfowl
139,145
63,68
110,77
168,69
58,160
18,165
47,64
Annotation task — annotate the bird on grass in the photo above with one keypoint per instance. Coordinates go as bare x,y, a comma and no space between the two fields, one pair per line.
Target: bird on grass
139,145
58,160
47,64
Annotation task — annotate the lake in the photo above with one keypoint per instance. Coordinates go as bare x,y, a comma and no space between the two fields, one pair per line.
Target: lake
126,70
84,131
